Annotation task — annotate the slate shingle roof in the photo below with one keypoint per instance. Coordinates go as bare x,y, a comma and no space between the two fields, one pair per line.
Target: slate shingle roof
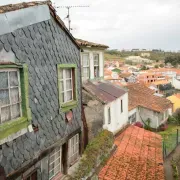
138,157
140,95
15,7
103,91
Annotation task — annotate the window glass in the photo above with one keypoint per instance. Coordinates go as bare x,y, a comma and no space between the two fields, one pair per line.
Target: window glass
85,66
66,85
10,102
55,165
73,149
109,116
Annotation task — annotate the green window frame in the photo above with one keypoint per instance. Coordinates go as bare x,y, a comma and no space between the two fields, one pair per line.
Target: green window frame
66,106
13,126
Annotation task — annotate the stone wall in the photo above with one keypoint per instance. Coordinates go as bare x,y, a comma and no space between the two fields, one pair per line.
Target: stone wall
94,113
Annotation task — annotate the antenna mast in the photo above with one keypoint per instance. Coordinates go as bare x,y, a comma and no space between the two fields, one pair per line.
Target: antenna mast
68,16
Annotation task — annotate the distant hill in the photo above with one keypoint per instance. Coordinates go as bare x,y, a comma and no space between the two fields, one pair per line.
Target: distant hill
112,57
121,55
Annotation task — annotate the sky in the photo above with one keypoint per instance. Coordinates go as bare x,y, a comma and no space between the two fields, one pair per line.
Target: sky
150,24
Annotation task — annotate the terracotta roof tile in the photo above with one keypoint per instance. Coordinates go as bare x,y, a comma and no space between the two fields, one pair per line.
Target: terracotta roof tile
138,157
140,95
91,44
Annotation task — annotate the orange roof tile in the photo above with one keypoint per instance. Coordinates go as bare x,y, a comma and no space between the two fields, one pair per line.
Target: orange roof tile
161,82
140,95
138,157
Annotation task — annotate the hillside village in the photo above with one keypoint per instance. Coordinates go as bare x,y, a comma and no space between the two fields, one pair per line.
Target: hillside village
68,111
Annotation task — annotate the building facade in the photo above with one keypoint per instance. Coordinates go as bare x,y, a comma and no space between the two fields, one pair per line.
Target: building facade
40,93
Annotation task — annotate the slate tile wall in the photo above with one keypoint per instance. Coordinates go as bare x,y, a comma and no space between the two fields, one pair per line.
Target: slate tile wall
42,46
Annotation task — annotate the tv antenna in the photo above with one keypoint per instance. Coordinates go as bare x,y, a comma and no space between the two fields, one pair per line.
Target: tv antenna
68,16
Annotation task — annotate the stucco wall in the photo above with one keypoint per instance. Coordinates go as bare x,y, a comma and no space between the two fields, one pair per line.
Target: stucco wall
118,119
176,83
41,46
92,51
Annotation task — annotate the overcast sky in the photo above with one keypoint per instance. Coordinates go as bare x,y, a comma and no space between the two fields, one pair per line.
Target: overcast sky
124,23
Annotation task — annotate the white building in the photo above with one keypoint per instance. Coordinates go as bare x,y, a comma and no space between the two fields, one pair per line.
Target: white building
105,106
92,59
144,105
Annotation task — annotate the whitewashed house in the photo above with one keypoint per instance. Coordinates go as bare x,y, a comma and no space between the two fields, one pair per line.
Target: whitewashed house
105,106
92,59
144,105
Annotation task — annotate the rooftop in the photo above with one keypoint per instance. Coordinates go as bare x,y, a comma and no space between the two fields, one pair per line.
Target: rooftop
90,44
104,91
143,148
140,95
25,5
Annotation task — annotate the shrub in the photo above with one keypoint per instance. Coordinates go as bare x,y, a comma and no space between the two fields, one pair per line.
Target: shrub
177,116
138,124
96,151
163,127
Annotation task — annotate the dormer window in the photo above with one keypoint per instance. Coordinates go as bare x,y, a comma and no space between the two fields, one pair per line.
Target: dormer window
96,65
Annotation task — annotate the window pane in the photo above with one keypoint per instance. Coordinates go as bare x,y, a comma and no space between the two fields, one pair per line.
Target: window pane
15,111
51,174
4,97
85,60
3,80
61,86
57,169
5,114
85,72
96,71
68,95
68,84
14,92
13,78
68,73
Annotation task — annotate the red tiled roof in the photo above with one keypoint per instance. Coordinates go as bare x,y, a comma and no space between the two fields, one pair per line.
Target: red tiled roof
138,157
87,43
140,95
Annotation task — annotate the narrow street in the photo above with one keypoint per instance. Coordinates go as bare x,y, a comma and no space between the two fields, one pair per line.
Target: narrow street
167,164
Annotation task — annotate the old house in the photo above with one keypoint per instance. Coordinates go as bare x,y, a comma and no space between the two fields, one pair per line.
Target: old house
92,59
105,106
144,105
40,93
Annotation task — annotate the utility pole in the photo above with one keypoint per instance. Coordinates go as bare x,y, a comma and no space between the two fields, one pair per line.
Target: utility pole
68,16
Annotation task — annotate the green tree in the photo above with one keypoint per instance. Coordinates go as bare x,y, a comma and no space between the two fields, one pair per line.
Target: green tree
161,65
156,66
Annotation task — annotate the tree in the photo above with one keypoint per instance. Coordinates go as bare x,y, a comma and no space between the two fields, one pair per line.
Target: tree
177,116
173,59
161,65
144,68
156,66
116,70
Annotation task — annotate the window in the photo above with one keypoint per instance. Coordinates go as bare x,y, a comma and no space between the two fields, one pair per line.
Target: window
85,66
10,101
109,115
67,86
121,106
73,148
32,176
55,164
96,65
15,113
132,118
